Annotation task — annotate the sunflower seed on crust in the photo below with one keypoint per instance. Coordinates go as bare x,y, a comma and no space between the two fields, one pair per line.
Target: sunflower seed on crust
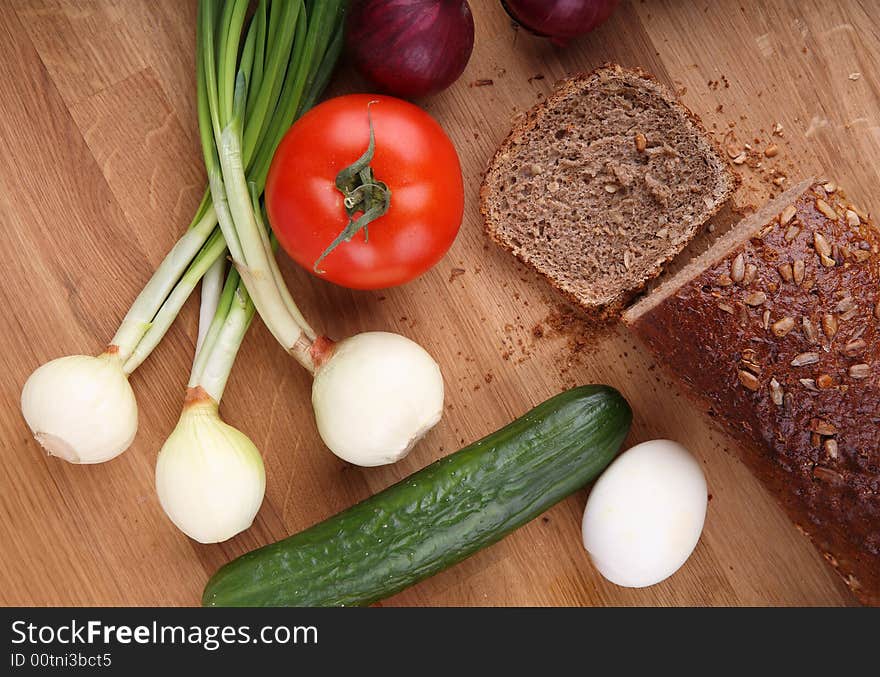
809,330
859,371
781,327
805,359
855,347
824,474
822,427
809,384
738,268
787,215
849,314
845,304
786,272
776,393
798,271
821,244
641,142
831,448
755,298
826,209
748,379
829,325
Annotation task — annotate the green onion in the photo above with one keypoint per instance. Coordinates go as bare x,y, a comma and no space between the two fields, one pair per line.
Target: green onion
375,394
210,477
82,408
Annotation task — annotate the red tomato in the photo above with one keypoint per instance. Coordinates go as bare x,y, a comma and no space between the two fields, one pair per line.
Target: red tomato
413,156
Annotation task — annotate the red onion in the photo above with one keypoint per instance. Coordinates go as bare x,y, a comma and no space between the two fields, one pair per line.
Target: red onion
410,48
559,20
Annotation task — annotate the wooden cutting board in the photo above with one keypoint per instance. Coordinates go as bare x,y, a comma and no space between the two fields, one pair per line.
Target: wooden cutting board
101,170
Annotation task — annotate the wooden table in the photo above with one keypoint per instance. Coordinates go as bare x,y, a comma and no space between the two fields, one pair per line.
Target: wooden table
102,169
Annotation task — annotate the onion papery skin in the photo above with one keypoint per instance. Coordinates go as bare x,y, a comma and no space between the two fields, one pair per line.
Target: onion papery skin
210,477
410,48
560,20
81,408
376,396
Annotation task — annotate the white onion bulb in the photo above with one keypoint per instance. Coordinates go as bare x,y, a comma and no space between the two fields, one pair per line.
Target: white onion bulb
209,476
81,408
376,396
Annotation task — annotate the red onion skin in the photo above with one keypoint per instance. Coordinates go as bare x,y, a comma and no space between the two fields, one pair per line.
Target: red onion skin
560,20
410,48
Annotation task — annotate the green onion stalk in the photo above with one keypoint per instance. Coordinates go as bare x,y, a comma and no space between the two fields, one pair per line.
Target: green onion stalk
82,408
374,394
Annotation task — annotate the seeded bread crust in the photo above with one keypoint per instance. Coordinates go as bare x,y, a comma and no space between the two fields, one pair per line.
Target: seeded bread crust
775,332
564,90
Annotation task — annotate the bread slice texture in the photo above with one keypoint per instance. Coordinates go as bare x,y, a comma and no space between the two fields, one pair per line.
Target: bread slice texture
775,333
602,184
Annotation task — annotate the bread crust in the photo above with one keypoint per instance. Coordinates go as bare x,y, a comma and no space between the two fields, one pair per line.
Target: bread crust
563,89
802,398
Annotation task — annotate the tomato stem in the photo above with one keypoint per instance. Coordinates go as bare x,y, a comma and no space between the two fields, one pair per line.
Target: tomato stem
364,196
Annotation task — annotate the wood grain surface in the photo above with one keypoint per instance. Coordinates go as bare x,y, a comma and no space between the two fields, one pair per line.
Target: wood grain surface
101,170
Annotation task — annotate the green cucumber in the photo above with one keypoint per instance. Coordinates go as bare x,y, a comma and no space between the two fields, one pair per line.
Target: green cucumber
439,515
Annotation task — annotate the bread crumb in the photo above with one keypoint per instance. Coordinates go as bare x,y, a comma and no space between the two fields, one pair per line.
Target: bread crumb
759,164
582,332
456,272
854,76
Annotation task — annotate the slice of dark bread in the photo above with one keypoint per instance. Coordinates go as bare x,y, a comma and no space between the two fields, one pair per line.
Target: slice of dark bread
602,184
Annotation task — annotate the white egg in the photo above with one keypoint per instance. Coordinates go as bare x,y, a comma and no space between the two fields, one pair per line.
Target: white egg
645,514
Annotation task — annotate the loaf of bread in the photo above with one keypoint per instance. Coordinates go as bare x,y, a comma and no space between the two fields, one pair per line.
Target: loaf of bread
775,332
602,184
